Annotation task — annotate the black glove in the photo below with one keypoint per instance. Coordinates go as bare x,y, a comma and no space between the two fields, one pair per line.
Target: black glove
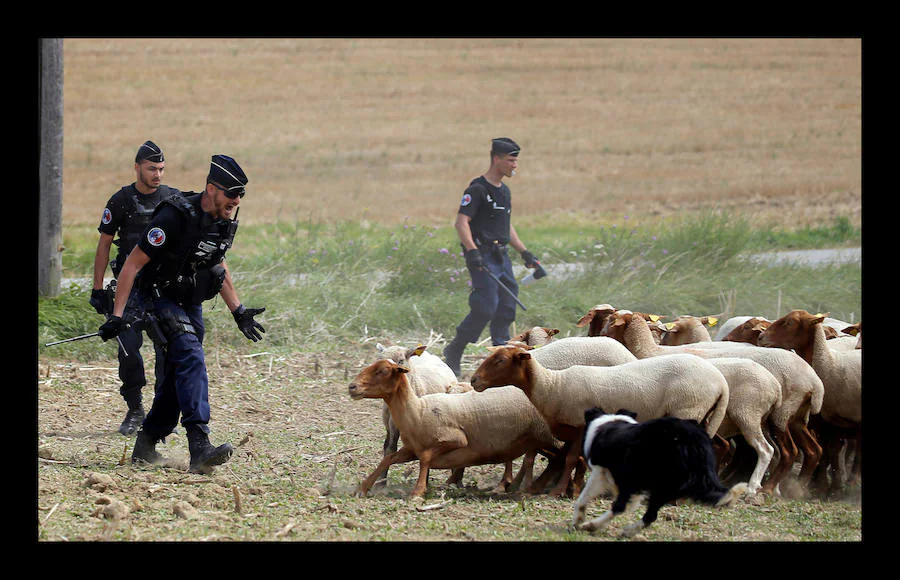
474,260
530,259
112,327
244,318
100,301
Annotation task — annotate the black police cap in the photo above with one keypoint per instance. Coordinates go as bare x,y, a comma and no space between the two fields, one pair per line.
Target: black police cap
505,146
150,151
226,173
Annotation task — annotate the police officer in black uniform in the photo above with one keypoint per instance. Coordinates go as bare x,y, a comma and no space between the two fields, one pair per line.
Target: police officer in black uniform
485,233
127,213
178,263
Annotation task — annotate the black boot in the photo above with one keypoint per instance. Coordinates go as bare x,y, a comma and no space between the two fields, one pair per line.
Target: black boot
203,455
453,354
145,449
133,419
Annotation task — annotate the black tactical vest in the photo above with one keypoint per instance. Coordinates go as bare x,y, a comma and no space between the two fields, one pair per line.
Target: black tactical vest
192,271
137,216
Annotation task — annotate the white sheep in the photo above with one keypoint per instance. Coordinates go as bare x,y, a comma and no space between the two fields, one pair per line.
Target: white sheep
536,336
582,350
428,374
747,331
839,325
750,330
597,317
801,389
855,330
682,386
687,329
754,395
451,431
840,371
726,327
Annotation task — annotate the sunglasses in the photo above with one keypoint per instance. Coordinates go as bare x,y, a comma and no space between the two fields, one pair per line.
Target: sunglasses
229,194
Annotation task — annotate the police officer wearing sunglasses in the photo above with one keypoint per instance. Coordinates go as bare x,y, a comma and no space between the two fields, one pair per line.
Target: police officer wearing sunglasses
178,263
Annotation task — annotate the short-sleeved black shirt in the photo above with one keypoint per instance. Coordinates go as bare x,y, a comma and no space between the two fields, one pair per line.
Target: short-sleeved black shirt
490,208
164,232
117,208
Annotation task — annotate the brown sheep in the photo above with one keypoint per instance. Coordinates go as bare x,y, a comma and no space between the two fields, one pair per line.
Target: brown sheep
450,431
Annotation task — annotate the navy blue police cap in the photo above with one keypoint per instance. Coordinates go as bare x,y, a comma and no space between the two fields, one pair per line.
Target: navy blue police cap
505,146
226,173
149,151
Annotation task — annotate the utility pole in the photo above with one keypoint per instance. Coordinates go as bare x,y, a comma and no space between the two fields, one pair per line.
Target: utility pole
50,247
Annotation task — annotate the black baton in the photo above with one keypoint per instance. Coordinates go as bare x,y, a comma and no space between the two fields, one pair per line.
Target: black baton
508,291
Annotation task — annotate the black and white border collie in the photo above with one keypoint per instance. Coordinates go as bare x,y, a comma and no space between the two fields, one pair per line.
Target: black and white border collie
666,459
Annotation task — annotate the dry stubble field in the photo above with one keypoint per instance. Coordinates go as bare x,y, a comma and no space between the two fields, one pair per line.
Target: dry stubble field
381,129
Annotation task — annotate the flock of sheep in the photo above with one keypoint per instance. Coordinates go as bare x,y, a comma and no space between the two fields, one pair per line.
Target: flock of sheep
768,393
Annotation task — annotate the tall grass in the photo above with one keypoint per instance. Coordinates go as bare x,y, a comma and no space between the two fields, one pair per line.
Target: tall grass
325,285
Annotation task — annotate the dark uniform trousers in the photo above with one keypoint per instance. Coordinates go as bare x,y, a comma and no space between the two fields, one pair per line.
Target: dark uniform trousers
131,363
488,303
184,385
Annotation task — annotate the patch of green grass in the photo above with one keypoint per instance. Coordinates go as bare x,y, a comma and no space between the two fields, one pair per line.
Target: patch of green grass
327,283
840,232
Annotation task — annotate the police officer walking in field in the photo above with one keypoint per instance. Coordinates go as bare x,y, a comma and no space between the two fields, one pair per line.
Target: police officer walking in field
127,213
485,232
178,263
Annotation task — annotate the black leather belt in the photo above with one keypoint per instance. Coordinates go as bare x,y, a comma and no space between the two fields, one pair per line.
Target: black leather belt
494,246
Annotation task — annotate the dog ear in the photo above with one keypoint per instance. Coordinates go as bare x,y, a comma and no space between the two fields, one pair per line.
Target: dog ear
592,413
627,413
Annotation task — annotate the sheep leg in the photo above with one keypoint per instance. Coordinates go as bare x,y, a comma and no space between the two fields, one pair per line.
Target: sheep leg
506,480
721,447
426,458
422,481
525,475
551,472
456,476
837,449
391,441
577,483
764,453
788,454
403,455
856,470
812,451
572,458
753,435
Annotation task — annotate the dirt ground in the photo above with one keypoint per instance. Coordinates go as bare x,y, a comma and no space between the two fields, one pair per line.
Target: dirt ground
302,446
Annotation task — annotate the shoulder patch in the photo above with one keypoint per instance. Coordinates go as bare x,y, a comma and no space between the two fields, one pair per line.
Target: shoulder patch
107,216
466,199
156,236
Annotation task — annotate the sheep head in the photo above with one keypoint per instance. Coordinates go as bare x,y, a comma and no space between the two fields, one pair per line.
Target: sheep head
399,354
749,331
596,317
506,365
616,324
795,330
378,380
853,329
684,329
536,336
